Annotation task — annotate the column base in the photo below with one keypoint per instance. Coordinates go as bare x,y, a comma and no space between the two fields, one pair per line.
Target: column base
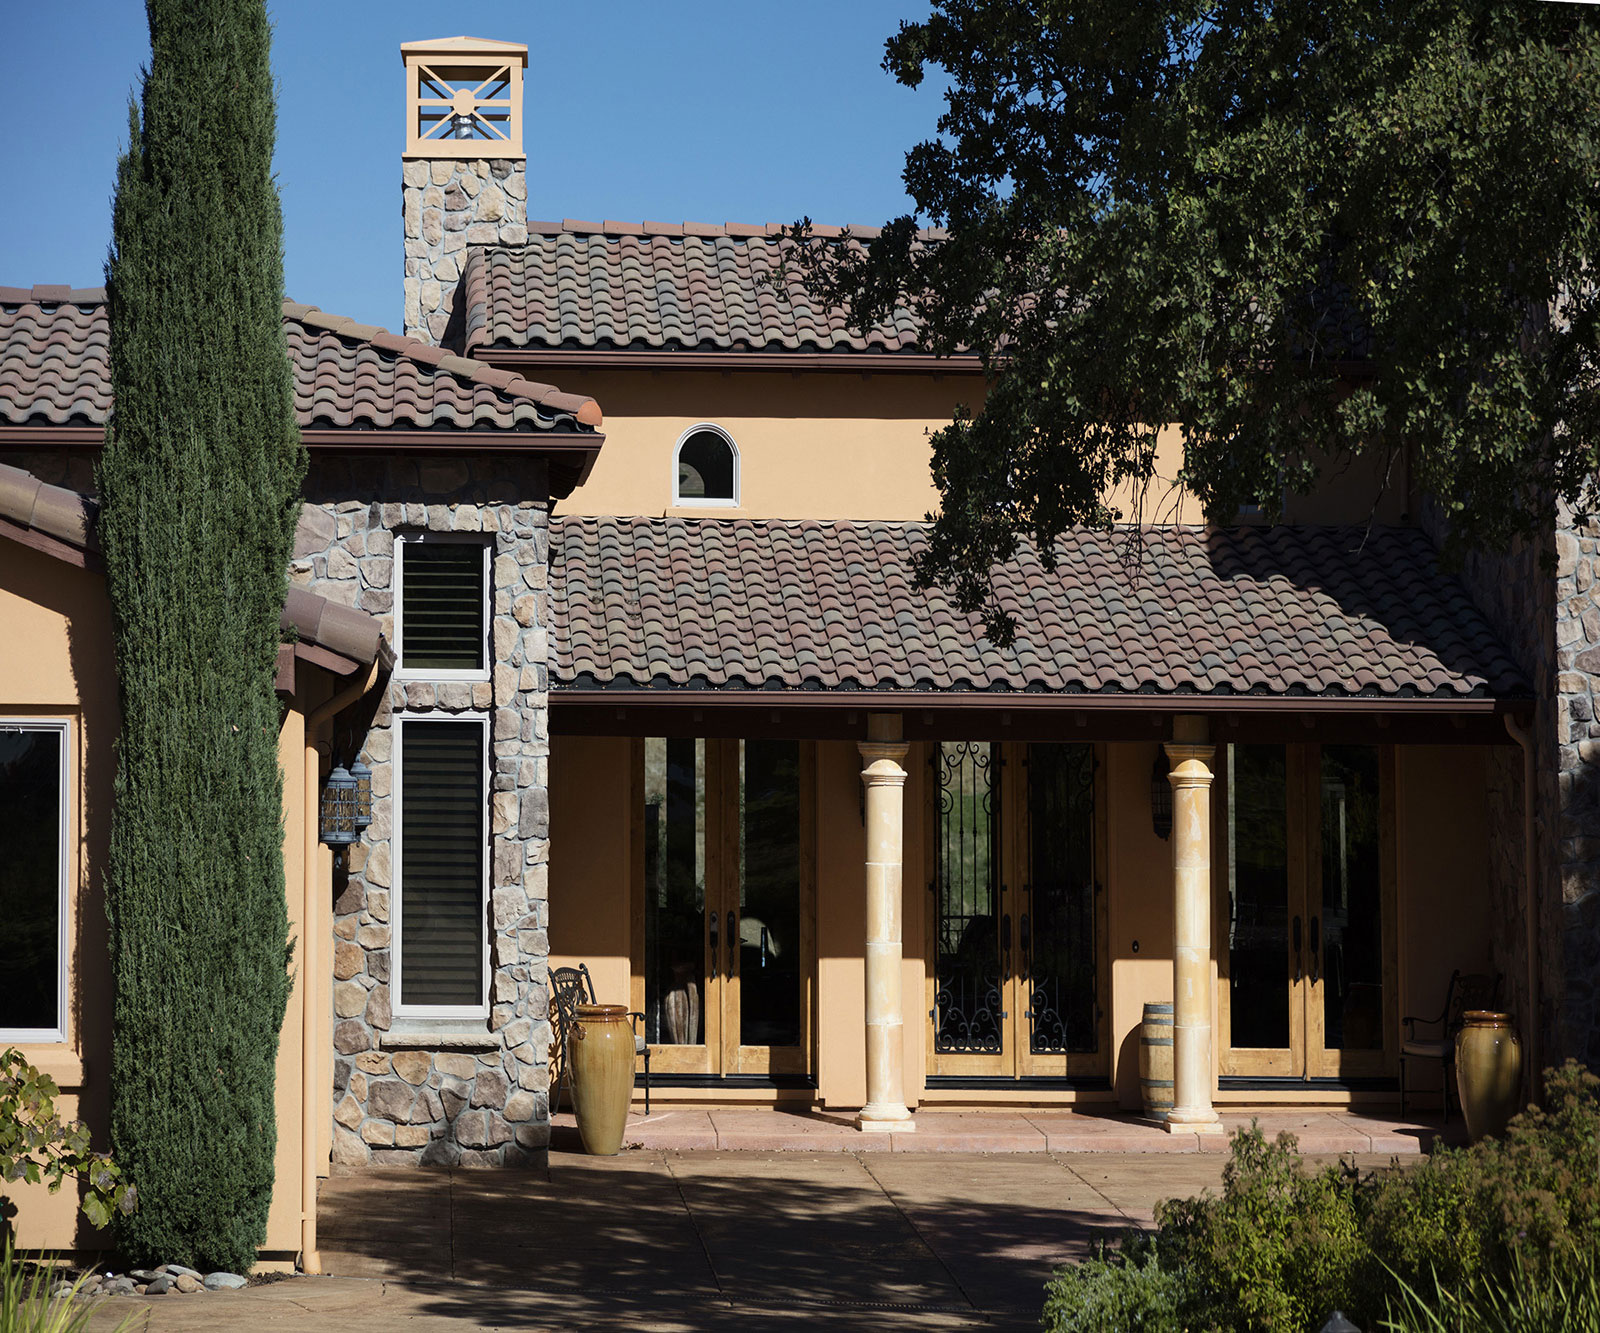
1198,1121
885,1120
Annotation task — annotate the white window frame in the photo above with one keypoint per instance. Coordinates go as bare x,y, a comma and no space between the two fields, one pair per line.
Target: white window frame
700,501
63,728
397,579
397,852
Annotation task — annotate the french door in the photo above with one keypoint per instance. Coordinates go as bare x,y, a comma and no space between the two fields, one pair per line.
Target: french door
724,921
1305,911
1015,928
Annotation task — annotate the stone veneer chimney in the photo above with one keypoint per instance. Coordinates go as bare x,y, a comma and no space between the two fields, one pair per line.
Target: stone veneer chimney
465,179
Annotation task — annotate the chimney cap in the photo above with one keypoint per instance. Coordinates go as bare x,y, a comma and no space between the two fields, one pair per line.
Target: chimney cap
464,46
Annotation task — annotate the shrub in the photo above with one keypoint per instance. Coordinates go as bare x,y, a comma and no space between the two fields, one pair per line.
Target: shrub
37,1145
1501,1236
1126,1290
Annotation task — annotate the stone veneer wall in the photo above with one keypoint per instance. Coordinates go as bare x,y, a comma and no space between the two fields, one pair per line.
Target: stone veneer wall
448,206
1542,599
469,1097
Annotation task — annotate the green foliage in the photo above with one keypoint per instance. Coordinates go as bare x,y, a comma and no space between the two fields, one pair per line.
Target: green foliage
1128,1290
199,484
36,1144
1271,1250
26,1305
1307,233
1565,1301
1504,1237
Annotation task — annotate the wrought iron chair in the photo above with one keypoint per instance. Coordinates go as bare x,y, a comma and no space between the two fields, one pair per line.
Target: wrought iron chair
570,987
1473,991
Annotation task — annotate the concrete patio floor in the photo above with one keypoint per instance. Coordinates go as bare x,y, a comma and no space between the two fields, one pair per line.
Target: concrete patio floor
765,1129
668,1239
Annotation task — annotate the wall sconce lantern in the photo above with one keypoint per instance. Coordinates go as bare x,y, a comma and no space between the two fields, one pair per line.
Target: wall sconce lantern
363,780
339,812
1160,796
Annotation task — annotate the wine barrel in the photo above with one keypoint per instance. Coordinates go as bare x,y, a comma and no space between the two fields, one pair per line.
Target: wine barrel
1155,1061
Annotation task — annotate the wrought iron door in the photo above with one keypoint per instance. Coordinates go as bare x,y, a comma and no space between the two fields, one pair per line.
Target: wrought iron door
1016,933
970,927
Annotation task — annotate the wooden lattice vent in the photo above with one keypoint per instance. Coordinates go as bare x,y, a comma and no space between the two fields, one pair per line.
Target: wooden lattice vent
461,91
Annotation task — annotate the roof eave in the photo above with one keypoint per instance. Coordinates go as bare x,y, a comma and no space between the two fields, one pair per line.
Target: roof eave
602,358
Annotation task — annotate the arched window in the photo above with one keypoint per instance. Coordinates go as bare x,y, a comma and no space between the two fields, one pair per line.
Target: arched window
705,468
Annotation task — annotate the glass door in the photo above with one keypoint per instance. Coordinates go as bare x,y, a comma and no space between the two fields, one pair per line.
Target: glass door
724,910
1305,912
1015,928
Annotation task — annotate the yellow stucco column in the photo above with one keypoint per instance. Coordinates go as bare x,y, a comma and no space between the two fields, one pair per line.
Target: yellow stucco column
1191,756
885,782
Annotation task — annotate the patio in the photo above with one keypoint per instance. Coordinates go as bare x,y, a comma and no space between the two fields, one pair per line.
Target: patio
822,1236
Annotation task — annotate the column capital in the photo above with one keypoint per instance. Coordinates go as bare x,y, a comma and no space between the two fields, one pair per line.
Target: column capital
883,761
1191,764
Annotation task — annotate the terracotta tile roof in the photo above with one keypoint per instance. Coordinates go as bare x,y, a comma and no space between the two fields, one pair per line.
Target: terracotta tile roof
709,603
55,370
30,507
687,287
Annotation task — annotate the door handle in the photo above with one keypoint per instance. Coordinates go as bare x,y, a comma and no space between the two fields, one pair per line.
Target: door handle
1297,950
1316,950
713,922
733,945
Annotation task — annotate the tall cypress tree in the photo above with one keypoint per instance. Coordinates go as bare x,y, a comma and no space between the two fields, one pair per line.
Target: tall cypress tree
199,485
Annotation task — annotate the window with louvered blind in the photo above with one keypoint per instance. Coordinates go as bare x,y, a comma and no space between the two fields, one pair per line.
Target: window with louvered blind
443,844
443,626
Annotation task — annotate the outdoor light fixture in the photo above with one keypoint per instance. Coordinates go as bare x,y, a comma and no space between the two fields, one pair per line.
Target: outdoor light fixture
341,822
363,780
1160,796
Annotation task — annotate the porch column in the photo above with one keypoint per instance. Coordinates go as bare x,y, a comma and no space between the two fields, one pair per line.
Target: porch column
1191,756
885,781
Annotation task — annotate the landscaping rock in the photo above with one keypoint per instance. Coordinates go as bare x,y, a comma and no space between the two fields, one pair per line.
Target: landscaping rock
61,1289
159,1287
178,1270
120,1286
188,1284
224,1282
143,1274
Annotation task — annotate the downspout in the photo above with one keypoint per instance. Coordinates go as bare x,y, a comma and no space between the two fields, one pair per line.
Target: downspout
1523,736
310,963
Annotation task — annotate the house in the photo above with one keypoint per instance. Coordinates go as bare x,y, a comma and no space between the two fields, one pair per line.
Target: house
654,691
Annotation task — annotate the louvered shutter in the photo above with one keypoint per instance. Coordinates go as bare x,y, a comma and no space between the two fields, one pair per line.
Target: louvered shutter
442,849
441,606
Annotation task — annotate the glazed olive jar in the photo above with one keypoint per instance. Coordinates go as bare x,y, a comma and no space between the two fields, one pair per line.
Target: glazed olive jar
602,1052
1488,1072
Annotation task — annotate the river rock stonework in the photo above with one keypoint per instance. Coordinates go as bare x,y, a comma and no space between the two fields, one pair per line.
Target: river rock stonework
447,206
462,1092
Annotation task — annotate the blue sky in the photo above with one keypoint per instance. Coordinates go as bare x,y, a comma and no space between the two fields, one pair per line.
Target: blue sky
708,111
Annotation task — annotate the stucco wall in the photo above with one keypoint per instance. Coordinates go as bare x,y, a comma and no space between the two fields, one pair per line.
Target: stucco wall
55,623
1443,888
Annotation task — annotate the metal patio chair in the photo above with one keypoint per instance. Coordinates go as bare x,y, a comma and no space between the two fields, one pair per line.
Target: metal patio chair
1473,991
570,987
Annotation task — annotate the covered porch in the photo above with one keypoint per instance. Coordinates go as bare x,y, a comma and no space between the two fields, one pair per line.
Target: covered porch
848,858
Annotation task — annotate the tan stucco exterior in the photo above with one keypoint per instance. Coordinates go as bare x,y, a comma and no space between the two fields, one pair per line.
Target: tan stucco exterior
1442,893
59,665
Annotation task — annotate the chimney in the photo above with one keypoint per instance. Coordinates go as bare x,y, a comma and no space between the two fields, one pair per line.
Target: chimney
464,178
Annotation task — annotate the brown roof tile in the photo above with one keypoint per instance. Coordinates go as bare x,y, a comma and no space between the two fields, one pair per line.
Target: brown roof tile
55,370
67,517
713,603
675,286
